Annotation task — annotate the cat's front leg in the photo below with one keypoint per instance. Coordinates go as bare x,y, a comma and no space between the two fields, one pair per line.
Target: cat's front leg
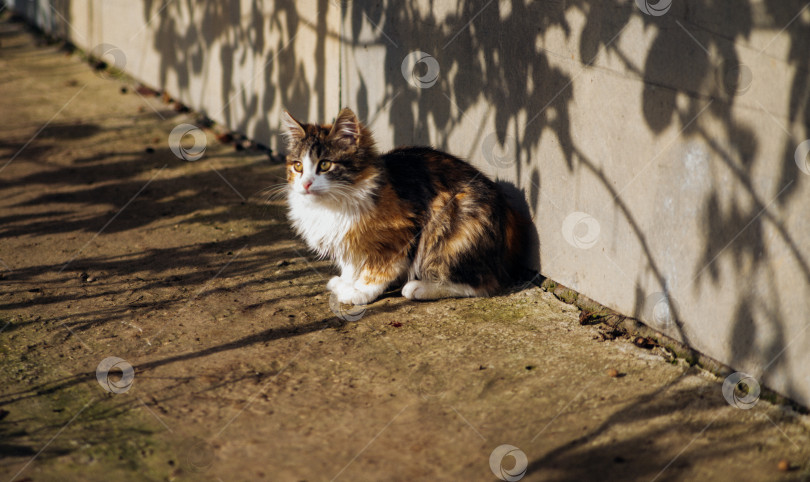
362,293
343,285
371,283
430,290
337,284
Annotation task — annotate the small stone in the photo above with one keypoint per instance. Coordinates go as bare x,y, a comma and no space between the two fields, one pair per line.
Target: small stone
90,279
613,373
204,122
145,91
642,342
282,263
783,465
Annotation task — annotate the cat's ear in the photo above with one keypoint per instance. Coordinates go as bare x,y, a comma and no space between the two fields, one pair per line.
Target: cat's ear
293,130
346,129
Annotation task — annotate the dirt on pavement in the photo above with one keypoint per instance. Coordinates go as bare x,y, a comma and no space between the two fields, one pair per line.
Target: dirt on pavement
113,246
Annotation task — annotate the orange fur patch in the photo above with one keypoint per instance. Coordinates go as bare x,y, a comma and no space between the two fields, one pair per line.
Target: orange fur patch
381,239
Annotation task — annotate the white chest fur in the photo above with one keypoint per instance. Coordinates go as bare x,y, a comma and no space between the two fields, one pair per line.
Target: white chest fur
324,221
323,227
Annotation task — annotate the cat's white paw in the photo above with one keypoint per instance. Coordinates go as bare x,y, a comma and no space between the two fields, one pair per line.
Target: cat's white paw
354,296
426,290
337,284
413,289
342,289
360,293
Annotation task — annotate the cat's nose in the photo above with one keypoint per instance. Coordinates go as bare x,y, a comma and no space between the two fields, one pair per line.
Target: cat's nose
306,185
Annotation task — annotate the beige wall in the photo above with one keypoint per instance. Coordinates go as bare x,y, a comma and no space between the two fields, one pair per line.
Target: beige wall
656,154
238,62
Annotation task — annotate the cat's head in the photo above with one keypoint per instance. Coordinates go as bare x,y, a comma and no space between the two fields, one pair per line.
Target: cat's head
329,162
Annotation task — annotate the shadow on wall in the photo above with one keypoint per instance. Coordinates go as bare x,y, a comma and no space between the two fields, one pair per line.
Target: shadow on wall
495,52
48,19
220,27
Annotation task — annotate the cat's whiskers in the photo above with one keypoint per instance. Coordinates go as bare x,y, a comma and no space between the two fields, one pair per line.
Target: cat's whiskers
273,193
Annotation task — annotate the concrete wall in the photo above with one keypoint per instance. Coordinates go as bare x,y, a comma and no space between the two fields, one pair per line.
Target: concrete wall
656,151
240,62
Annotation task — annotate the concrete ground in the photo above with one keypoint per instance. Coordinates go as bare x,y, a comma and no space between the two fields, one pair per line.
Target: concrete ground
113,246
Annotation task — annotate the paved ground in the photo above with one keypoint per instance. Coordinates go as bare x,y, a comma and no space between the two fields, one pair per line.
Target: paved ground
112,246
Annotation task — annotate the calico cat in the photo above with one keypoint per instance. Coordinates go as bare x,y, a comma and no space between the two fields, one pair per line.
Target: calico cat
414,214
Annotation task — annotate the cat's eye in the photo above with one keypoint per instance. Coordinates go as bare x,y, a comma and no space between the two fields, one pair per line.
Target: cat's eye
324,165
298,167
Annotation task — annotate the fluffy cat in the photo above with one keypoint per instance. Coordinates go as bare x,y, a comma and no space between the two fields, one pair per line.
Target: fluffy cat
413,215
